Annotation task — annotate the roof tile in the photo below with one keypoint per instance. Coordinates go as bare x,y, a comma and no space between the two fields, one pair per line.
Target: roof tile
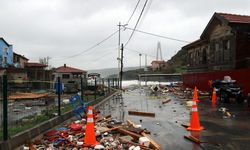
234,18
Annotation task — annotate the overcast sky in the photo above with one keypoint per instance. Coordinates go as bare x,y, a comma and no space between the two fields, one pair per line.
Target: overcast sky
64,28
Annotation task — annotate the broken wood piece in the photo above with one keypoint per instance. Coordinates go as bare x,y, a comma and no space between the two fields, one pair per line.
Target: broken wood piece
193,139
135,130
131,123
138,113
109,130
166,101
153,144
132,134
228,114
197,141
185,125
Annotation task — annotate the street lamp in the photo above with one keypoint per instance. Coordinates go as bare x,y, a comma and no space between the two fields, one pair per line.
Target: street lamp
140,60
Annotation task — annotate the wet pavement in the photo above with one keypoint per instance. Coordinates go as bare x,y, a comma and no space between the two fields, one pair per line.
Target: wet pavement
222,132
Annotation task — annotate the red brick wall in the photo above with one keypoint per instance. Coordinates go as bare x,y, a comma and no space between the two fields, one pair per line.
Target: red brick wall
242,76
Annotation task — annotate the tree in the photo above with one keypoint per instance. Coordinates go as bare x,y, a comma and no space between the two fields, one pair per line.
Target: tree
45,61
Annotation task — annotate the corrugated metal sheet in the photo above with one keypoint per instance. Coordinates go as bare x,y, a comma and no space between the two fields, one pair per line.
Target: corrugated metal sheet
242,76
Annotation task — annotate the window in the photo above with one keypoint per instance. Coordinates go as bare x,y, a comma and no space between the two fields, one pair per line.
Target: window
217,46
204,56
226,45
65,76
6,50
5,60
248,35
18,59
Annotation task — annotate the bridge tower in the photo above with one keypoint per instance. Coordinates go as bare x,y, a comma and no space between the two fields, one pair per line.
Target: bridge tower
158,52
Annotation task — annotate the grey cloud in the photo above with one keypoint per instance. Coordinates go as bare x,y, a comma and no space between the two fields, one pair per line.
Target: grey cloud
61,28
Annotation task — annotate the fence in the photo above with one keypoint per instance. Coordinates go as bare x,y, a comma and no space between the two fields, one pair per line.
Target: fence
242,76
24,104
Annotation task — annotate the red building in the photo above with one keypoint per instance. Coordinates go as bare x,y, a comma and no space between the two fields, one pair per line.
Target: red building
223,49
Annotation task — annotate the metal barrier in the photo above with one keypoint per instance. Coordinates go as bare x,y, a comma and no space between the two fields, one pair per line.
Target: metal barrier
24,103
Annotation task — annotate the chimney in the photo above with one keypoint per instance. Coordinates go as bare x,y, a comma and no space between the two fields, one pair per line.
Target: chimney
64,65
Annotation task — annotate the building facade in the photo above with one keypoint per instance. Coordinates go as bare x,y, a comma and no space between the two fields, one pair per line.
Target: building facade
158,65
223,45
70,77
6,53
38,76
19,61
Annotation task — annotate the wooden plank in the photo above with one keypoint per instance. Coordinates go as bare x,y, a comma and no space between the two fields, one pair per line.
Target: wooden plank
135,130
111,129
166,101
193,139
153,144
132,134
138,113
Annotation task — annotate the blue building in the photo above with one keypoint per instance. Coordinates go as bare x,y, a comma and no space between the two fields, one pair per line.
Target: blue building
6,53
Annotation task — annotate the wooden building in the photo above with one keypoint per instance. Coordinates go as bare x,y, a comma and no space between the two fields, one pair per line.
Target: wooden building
223,45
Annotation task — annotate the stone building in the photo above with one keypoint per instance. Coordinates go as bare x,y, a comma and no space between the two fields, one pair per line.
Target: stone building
223,45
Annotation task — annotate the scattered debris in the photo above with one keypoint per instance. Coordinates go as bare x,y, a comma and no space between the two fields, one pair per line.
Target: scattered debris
166,101
110,133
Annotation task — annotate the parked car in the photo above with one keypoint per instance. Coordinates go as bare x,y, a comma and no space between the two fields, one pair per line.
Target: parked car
228,89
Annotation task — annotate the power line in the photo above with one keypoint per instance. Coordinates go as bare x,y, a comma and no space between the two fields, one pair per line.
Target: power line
90,48
136,23
135,51
157,35
133,12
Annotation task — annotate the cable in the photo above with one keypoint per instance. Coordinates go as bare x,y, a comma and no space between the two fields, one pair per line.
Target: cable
136,23
133,12
139,52
90,48
161,36
105,54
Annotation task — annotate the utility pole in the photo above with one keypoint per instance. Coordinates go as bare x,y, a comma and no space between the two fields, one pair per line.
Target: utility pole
140,62
121,73
119,43
145,69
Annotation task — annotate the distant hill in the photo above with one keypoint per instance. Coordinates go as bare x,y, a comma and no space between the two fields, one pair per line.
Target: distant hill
178,63
110,71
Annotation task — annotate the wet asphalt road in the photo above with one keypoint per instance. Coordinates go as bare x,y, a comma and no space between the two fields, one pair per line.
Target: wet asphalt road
229,133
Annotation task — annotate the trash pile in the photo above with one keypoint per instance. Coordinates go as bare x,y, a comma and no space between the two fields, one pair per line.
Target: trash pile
95,132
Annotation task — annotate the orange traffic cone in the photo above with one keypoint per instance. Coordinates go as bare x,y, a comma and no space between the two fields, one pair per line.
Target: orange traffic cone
195,97
214,97
194,120
90,138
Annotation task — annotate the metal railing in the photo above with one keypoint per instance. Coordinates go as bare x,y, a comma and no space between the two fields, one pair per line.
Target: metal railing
24,104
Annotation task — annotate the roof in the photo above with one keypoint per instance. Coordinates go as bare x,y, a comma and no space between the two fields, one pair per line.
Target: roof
33,64
1,38
22,56
226,18
193,44
234,18
66,69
